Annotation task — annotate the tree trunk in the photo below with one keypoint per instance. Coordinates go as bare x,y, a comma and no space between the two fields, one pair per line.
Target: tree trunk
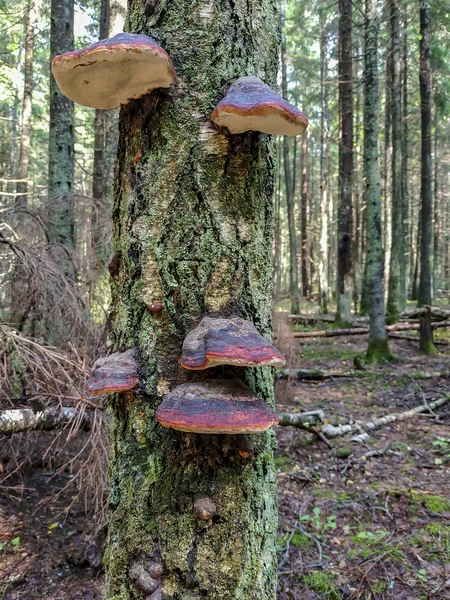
304,212
61,160
24,151
425,189
289,184
437,243
193,222
387,169
397,272
378,342
323,245
404,165
345,220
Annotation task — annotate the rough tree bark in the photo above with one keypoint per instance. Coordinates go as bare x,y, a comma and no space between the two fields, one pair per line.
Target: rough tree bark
289,184
345,217
193,223
378,342
61,161
397,272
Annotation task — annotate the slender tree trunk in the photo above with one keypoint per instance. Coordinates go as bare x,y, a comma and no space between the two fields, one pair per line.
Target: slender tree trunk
323,245
397,272
387,171
378,341
304,213
289,184
437,242
345,220
25,142
61,134
187,239
277,258
425,188
404,165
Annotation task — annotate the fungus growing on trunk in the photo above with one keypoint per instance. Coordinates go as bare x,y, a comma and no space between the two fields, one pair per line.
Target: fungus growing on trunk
251,105
113,71
228,341
118,372
218,406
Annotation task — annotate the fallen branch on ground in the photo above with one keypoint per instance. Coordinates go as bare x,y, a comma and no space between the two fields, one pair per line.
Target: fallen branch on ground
304,419
412,338
26,419
361,427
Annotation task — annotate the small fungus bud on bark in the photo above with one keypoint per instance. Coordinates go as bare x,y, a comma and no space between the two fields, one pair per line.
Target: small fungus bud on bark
155,307
142,579
114,265
246,448
158,595
204,507
155,569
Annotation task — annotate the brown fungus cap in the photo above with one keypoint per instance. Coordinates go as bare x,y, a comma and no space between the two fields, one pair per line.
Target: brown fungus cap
251,105
228,341
117,372
218,406
113,71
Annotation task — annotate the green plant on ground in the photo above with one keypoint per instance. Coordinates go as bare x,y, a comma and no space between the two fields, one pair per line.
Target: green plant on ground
324,584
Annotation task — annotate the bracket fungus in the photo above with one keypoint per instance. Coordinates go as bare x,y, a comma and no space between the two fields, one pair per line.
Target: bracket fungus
218,406
228,341
118,372
113,71
251,105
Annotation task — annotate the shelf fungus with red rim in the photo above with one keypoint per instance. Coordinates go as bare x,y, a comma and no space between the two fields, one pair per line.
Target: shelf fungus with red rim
251,105
113,71
118,372
214,407
228,341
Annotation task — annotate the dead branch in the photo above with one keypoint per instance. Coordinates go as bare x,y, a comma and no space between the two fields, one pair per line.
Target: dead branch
304,419
361,427
26,419
306,375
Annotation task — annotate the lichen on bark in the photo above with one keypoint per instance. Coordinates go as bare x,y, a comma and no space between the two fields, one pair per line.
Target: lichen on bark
193,221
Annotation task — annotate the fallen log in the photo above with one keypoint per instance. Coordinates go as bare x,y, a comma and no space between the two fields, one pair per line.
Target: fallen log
26,419
364,330
361,427
436,312
412,338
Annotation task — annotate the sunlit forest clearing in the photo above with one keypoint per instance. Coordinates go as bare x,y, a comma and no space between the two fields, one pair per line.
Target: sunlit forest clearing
225,300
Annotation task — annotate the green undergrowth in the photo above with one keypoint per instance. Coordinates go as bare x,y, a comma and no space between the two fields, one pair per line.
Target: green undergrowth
323,583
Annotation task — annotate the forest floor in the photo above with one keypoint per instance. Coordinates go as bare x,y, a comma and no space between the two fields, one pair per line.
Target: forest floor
359,521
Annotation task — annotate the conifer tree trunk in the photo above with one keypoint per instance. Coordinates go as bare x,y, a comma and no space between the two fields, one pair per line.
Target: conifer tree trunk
289,185
404,166
378,342
25,141
397,272
61,162
193,223
323,245
424,296
304,213
345,217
